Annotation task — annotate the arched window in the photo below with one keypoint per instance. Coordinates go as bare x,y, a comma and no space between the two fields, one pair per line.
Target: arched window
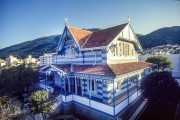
71,52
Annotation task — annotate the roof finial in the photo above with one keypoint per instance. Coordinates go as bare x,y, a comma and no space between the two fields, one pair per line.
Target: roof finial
129,19
66,20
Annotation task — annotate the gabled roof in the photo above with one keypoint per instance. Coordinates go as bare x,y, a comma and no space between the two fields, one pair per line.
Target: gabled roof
107,70
88,39
79,35
103,37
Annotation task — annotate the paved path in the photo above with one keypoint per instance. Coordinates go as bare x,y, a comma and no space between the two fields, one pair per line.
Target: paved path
138,110
128,112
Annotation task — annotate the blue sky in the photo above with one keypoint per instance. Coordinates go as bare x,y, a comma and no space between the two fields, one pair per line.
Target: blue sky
23,20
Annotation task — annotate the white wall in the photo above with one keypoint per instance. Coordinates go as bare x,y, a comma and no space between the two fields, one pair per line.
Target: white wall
96,105
124,103
102,107
174,58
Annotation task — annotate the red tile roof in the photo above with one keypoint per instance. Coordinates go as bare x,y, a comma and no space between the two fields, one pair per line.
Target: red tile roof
79,35
103,37
108,70
123,68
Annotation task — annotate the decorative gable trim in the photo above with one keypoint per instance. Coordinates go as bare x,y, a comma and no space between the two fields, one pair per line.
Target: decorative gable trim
62,41
45,67
94,48
51,66
135,41
140,47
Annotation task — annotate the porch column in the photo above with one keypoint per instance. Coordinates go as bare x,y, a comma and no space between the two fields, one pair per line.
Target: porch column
90,89
137,84
60,77
81,87
113,99
90,85
75,85
128,89
69,85
65,86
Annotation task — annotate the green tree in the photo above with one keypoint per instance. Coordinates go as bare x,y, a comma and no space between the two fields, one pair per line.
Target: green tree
160,87
40,102
16,79
161,62
29,76
39,96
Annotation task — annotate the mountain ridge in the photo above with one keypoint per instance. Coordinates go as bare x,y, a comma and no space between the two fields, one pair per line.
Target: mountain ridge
162,36
42,45
36,47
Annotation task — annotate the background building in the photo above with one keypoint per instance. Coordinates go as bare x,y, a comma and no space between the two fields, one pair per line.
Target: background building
30,59
11,60
46,59
2,63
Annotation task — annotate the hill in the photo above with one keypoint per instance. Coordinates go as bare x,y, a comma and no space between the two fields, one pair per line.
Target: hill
35,47
39,46
163,36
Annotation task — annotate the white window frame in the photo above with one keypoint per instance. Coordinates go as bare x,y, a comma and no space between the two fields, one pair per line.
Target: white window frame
71,52
118,86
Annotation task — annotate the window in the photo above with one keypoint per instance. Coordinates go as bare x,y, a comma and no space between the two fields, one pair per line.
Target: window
93,85
118,86
120,49
79,82
125,49
117,51
70,52
128,49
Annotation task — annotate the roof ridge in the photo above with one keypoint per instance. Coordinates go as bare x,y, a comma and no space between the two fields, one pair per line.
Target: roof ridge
86,40
99,29
80,29
109,27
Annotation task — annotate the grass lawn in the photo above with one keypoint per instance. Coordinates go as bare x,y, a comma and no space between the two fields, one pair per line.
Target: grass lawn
159,112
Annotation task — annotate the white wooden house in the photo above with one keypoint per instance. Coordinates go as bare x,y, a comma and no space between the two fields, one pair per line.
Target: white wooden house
99,70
